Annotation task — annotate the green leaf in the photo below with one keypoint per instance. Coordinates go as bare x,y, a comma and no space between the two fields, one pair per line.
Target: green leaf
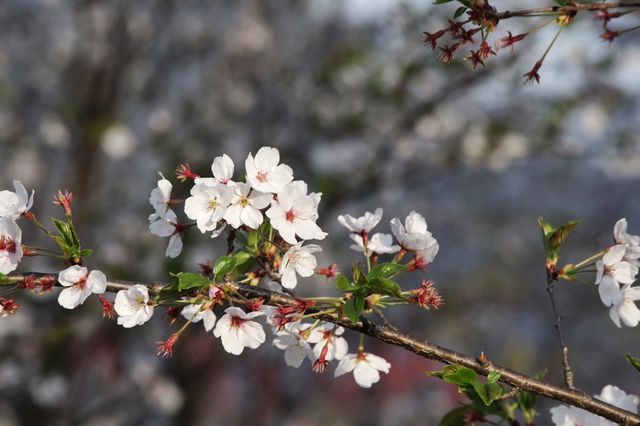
187,280
244,261
354,307
253,238
342,283
3,278
633,361
170,292
493,377
456,374
224,265
441,1
553,237
487,392
385,286
456,417
459,11
385,270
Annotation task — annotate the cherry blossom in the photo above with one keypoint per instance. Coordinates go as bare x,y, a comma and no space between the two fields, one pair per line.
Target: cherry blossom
413,235
325,336
366,368
10,245
626,310
294,213
195,313
245,206
298,260
236,330
80,284
378,243
167,225
612,271
629,241
208,204
362,224
264,173
14,204
292,341
222,169
133,306
562,415
160,198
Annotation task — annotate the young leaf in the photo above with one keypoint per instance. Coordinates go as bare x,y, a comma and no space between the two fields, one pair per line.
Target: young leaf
385,270
633,361
487,392
459,11
187,280
456,417
384,286
342,283
244,261
493,377
456,374
224,265
354,307
170,292
3,278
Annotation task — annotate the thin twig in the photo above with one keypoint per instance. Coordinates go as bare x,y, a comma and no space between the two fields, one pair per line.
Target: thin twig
566,367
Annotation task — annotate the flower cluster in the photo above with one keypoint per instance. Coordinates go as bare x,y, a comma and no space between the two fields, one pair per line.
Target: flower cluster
616,271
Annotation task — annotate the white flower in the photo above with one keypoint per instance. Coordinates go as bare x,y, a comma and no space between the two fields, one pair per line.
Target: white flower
299,260
563,415
80,284
133,306
629,241
293,343
295,213
10,245
237,331
626,310
167,226
195,313
413,235
245,206
13,204
362,224
222,169
611,272
160,197
208,204
366,368
322,336
263,172
378,243
426,256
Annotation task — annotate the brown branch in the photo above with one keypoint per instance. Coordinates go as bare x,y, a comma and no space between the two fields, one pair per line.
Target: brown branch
568,8
481,365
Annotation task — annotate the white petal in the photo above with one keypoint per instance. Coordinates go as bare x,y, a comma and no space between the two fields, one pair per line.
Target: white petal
209,319
97,282
174,248
609,291
71,297
365,375
346,365
72,275
251,217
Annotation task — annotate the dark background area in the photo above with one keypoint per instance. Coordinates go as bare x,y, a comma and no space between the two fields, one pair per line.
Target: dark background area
97,96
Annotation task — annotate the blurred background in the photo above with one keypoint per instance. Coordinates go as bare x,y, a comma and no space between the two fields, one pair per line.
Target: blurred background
97,96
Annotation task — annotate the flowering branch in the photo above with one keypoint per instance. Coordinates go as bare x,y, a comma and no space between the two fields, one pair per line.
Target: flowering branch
384,333
566,367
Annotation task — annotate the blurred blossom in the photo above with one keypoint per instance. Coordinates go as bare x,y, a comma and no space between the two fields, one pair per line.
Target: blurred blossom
118,142
49,391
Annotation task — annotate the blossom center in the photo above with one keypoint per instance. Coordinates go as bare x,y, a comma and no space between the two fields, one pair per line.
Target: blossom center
244,202
291,215
82,283
262,176
236,322
213,204
6,243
